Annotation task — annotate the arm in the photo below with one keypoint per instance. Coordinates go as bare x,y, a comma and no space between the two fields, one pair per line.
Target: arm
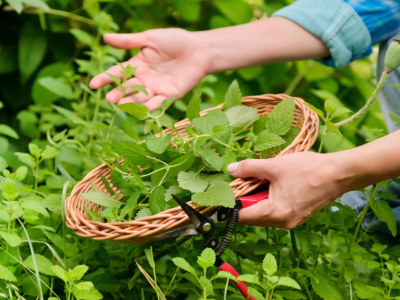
173,61
315,180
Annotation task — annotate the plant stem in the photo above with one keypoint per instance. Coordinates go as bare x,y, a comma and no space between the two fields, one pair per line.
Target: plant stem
367,105
111,124
323,135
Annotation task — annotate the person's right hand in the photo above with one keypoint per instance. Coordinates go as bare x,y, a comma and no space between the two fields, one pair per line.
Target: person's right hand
171,62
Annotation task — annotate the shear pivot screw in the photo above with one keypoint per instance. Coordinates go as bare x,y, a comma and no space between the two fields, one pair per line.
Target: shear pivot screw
207,227
213,243
223,217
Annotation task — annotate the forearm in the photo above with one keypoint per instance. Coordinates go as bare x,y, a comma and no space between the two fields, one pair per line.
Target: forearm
370,163
265,41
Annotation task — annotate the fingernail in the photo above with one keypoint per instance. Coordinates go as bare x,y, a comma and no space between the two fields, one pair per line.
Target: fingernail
233,167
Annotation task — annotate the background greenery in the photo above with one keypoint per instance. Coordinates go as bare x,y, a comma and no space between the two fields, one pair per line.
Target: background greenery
47,57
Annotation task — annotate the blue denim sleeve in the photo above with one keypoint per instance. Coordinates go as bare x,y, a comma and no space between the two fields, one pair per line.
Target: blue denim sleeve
336,23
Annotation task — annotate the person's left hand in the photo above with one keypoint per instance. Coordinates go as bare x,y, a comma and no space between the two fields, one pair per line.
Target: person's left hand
301,184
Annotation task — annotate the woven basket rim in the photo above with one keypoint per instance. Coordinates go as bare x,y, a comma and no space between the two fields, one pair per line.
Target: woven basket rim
145,229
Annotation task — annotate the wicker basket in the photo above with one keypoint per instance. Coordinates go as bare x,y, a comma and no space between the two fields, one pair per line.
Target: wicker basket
145,229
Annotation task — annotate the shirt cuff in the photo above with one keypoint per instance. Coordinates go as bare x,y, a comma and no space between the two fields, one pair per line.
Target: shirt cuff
337,24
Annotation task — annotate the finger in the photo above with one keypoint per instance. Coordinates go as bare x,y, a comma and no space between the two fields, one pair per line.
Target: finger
126,40
257,215
252,168
155,102
114,95
103,79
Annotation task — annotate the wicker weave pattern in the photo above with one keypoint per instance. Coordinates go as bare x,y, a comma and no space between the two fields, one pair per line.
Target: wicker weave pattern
145,229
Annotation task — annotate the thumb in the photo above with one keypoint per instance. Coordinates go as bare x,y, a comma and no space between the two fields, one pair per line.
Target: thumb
261,168
125,40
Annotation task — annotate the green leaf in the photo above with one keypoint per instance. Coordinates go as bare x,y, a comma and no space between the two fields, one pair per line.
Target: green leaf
240,117
329,106
383,211
237,11
44,265
188,10
79,271
36,206
137,110
32,46
212,118
130,151
373,264
3,164
207,258
326,288
226,275
218,194
91,294
269,264
332,127
129,131
50,152
157,201
250,278
84,286
259,125
8,131
266,140
233,96
144,212
20,174
102,199
131,204
58,86
37,3
26,159
11,238
16,5
295,295
139,88
221,133
6,274
340,111
280,120
181,163
193,109
317,110
82,36
9,189
158,144
256,294
229,157
364,291
211,157
286,281
60,273
191,181
167,103
184,265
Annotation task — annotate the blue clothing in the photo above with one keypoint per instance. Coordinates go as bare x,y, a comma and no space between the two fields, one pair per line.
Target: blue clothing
348,27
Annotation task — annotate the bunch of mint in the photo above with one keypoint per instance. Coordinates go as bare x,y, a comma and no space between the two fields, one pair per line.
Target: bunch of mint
192,166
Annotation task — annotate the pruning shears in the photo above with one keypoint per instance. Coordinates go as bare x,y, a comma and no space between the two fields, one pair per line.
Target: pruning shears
206,226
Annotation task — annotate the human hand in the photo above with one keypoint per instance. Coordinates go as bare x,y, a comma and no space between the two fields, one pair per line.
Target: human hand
170,62
301,184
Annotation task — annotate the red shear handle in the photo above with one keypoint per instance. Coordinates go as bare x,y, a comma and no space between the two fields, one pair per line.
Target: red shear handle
253,199
241,286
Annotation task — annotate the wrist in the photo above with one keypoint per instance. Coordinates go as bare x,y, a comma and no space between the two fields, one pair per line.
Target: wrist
208,45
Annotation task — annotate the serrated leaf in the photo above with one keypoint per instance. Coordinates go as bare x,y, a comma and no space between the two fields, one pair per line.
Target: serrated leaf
129,131
137,110
144,212
193,109
139,88
36,206
364,291
223,274
20,174
317,110
114,78
266,140
102,199
260,124
82,36
131,204
218,194
295,295
207,258
228,158
6,274
329,106
332,127
157,201
233,96
326,289
59,86
286,281
167,103
191,181
340,111
84,286
158,145
250,278
280,120
211,157
130,151
215,117
3,164
44,265
221,133
8,131
9,189
50,152
181,163
26,159
269,264
256,294
91,294
79,271
373,264
60,273
240,117
384,212
184,265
